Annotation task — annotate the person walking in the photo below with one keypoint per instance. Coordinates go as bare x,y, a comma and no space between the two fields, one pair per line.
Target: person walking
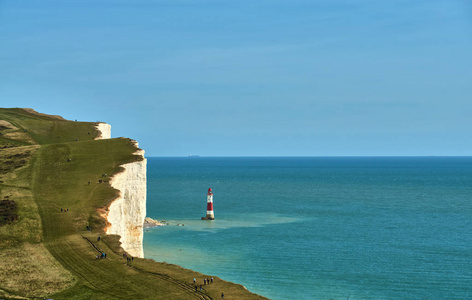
222,296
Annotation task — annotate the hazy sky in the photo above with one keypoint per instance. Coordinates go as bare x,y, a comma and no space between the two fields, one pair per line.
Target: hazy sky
231,78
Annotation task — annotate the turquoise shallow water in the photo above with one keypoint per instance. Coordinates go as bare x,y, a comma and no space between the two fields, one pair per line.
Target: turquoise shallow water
319,228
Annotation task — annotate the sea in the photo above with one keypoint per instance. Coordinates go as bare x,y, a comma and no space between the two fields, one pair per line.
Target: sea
318,227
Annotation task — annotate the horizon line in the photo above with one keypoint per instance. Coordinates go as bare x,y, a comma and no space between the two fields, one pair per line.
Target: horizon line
301,156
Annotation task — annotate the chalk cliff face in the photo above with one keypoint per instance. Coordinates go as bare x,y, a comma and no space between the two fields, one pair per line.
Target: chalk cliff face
105,130
126,213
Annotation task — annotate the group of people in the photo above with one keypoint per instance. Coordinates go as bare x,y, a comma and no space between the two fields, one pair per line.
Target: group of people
100,180
64,209
103,255
205,281
128,258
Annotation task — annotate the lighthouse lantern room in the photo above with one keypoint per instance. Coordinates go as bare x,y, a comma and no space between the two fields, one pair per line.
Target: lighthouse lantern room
209,215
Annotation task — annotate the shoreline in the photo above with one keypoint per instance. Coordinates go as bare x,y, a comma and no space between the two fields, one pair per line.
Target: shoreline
150,223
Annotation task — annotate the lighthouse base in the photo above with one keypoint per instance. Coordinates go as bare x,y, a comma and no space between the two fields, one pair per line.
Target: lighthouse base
208,218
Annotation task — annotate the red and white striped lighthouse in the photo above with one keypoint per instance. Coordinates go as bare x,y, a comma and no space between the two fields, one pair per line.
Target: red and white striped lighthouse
210,215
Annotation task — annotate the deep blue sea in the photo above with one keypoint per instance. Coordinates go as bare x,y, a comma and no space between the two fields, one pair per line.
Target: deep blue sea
319,227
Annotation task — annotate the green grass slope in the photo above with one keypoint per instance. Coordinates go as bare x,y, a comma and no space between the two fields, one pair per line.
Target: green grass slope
31,127
47,164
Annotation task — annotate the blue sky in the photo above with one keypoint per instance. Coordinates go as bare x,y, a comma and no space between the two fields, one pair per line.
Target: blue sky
249,78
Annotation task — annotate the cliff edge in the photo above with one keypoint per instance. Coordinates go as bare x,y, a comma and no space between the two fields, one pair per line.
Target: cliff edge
104,130
125,215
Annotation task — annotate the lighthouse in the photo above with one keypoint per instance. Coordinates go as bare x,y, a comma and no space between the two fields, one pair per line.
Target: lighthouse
209,215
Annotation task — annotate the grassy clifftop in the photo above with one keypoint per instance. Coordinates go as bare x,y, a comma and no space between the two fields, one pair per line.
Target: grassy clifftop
26,127
46,165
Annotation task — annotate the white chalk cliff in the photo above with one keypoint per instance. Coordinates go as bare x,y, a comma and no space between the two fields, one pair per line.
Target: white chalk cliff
105,131
127,212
